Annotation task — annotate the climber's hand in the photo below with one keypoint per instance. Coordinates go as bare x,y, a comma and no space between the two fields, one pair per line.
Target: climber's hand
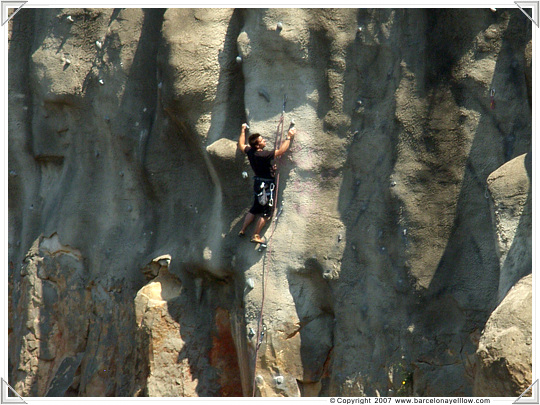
292,132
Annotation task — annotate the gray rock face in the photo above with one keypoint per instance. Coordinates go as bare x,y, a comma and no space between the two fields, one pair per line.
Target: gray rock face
126,195
510,188
504,355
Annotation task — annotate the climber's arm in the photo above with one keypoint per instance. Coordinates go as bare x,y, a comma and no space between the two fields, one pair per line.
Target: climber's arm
242,139
286,143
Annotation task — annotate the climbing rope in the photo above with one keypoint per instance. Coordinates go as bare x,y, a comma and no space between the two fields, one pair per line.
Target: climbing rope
261,328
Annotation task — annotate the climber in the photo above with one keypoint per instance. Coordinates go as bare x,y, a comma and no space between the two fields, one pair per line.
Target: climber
264,184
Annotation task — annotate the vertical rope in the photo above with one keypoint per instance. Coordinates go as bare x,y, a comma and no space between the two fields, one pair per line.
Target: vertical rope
277,145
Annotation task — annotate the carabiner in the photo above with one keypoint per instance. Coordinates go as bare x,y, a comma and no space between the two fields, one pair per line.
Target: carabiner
271,200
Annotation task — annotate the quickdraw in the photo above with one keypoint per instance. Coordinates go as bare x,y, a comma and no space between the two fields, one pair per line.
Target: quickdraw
271,200
492,97
259,343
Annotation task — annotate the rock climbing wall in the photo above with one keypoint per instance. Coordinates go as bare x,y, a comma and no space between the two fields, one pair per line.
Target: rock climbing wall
404,201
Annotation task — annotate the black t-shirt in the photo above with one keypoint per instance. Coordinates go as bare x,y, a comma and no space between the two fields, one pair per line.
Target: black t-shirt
261,162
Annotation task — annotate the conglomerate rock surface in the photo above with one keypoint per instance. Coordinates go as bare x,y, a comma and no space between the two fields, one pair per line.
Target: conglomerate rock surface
504,351
391,249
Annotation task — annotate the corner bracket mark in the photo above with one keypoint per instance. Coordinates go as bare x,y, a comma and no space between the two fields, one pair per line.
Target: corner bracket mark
533,5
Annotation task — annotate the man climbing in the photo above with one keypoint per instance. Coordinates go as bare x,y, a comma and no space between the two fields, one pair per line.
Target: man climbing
261,163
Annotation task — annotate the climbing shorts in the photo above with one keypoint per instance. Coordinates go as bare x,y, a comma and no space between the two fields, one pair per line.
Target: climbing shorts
265,210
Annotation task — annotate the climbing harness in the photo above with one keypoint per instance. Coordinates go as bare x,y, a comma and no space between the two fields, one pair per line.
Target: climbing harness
266,194
273,200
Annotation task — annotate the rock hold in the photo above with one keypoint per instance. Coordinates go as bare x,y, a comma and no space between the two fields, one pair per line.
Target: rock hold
264,94
152,269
